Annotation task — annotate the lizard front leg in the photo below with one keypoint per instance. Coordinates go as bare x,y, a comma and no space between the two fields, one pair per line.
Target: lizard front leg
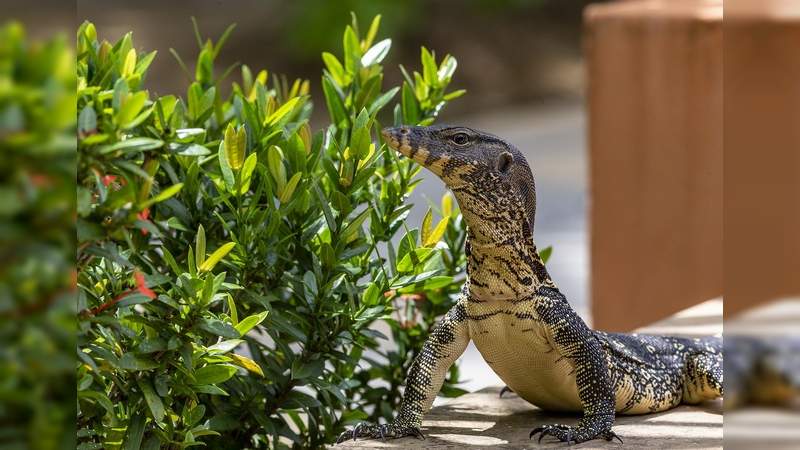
447,342
571,338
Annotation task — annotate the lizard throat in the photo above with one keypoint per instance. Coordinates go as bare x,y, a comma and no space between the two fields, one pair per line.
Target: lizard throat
505,271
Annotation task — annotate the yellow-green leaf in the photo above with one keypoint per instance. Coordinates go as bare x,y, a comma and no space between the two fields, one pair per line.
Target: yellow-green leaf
130,108
246,363
437,233
276,168
163,195
249,322
200,246
216,257
235,146
247,173
427,223
288,190
372,32
282,111
447,205
130,63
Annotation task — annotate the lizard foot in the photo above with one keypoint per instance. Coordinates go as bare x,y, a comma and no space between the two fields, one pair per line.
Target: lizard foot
382,431
569,434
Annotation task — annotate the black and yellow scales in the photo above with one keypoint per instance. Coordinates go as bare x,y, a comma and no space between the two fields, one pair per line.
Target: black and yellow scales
519,320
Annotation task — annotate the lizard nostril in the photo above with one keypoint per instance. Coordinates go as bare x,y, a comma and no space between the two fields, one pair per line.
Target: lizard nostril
403,130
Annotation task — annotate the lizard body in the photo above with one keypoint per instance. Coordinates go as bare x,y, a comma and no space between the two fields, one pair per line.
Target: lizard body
518,319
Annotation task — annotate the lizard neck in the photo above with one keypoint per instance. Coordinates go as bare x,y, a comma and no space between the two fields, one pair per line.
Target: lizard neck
506,269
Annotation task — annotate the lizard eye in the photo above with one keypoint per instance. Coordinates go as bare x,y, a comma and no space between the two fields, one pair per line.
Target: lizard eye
460,139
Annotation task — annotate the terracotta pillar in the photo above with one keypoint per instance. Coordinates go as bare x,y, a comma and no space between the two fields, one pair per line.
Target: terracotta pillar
655,151
762,152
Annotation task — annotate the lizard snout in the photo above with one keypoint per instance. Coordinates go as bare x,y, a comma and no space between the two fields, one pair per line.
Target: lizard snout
398,139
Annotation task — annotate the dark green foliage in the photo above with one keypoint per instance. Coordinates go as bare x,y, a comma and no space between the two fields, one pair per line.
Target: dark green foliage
232,263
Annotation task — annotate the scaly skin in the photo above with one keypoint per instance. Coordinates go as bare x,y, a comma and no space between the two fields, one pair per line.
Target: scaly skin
519,320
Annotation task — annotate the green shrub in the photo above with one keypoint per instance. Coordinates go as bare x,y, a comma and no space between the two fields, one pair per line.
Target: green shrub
232,263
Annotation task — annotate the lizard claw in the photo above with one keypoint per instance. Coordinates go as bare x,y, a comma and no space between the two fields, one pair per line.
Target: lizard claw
383,431
357,429
504,390
571,435
610,436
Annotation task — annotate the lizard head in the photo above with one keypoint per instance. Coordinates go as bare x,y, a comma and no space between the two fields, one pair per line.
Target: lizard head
489,176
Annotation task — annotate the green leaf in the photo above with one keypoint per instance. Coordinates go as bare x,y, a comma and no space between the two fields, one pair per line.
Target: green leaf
100,398
276,167
215,257
285,109
302,370
235,142
326,208
225,168
297,399
334,102
214,374
219,328
152,399
545,254
135,433
373,30
286,194
336,69
433,238
249,322
200,246
371,295
129,361
247,173
232,310
209,389
87,120
354,226
130,108
129,63
409,105
163,195
132,145
414,258
381,101
426,228
429,69
190,149
194,415
454,95
352,50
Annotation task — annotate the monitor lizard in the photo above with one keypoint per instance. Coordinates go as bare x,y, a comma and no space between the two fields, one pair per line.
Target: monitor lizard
518,319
